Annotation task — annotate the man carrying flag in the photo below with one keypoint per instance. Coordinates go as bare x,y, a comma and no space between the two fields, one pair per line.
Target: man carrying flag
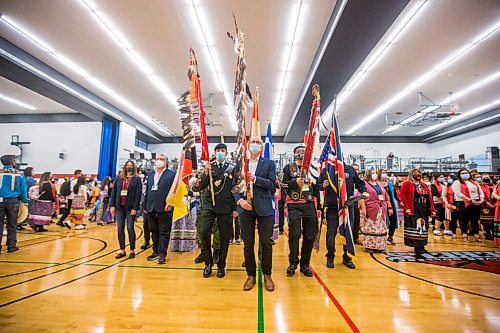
338,180
222,174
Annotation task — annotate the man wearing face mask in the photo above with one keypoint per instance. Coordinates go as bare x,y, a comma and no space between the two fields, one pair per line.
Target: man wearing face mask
224,209
302,202
160,214
332,212
262,178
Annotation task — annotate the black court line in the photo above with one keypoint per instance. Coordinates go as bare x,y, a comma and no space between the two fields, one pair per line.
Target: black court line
59,237
64,269
66,283
105,245
431,282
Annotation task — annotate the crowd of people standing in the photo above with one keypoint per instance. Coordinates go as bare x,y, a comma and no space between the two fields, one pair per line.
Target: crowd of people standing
464,203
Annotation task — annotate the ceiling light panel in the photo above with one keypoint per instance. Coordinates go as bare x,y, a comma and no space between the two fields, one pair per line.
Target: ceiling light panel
201,24
410,16
70,64
17,102
412,87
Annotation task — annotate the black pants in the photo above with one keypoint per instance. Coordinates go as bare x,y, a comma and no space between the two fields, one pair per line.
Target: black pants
235,228
207,223
281,211
265,228
469,214
301,219
455,217
393,223
356,222
66,212
147,232
160,224
9,209
332,225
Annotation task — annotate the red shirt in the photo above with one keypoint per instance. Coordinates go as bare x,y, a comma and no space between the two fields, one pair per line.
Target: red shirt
123,198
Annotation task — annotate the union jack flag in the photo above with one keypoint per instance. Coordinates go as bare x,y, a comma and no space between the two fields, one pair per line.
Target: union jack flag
331,158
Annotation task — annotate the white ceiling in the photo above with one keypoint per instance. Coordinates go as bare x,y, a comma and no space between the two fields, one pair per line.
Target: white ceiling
162,32
444,27
19,93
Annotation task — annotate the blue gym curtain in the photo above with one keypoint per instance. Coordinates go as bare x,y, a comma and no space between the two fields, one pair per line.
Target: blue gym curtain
109,148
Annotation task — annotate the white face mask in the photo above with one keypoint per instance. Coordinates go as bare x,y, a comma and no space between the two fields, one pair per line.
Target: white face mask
159,164
254,148
374,176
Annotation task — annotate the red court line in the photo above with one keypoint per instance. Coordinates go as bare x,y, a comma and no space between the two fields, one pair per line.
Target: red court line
339,307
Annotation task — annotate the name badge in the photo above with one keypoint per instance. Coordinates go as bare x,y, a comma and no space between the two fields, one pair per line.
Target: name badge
154,188
305,188
123,193
381,197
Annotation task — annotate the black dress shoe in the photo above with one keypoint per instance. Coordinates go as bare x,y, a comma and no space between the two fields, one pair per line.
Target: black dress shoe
330,263
221,272
42,229
131,255
145,246
162,260
120,255
14,249
199,259
348,263
306,271
34,227
290,271
207,271
59,224
216,256
152,257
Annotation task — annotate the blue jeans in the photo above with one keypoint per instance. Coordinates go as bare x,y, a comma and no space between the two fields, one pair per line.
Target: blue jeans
123,215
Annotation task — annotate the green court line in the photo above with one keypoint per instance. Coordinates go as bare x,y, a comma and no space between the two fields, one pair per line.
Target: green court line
260,312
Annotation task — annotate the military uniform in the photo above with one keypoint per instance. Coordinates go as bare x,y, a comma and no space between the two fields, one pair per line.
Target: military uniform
215,231
302,206
222,177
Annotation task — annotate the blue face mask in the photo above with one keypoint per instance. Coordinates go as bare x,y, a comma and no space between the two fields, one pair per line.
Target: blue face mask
478,180
450,181
254,148
441,180
220,156
465,177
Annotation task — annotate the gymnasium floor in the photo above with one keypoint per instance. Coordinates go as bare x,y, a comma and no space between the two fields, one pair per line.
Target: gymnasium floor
68,281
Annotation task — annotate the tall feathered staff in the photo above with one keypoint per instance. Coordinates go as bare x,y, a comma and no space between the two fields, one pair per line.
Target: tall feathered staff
312,133
243,100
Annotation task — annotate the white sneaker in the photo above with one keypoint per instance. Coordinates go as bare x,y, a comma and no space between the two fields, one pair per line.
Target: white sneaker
79,227
448,233
454,236
437,232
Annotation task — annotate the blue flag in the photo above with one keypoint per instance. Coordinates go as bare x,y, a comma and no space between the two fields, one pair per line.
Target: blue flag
268,144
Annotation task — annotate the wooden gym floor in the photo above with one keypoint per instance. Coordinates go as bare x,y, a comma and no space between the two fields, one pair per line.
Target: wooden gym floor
69,281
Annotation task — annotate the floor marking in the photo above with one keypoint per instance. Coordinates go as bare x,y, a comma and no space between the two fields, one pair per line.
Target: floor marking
260,303
339,307
431,282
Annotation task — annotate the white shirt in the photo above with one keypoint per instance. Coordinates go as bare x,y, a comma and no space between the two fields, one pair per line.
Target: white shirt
72,184
476,193
156,177
252,165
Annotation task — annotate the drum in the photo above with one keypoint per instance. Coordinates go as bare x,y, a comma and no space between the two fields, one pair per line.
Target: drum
23,213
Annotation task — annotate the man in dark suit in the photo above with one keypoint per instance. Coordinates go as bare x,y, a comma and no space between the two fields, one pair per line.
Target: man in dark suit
224,209
159,213
262,175
332,212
